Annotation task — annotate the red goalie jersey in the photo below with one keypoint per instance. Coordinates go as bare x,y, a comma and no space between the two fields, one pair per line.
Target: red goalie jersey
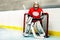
35,13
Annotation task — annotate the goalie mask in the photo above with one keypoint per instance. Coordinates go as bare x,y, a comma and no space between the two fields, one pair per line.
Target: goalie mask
35,5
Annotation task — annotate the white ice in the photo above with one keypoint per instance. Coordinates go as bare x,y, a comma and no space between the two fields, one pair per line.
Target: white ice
8,34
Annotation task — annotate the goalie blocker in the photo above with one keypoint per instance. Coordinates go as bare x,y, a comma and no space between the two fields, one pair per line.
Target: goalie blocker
45,28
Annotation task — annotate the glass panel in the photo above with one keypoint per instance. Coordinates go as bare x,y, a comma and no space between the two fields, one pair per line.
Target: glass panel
18,4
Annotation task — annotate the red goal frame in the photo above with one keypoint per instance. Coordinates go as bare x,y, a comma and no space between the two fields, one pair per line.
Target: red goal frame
46,32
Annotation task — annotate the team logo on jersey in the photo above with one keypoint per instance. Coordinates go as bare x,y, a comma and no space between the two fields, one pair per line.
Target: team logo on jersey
35,13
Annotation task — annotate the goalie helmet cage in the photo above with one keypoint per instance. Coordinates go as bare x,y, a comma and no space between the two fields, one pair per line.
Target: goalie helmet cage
47,22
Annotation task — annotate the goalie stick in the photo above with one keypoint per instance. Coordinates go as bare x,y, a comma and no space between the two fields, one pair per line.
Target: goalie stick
34,32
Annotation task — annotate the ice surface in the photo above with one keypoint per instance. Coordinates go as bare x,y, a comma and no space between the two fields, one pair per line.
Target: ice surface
7,34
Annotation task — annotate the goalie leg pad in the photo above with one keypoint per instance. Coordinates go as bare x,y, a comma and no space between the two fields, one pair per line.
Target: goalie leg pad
27,25
33,31
40,29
